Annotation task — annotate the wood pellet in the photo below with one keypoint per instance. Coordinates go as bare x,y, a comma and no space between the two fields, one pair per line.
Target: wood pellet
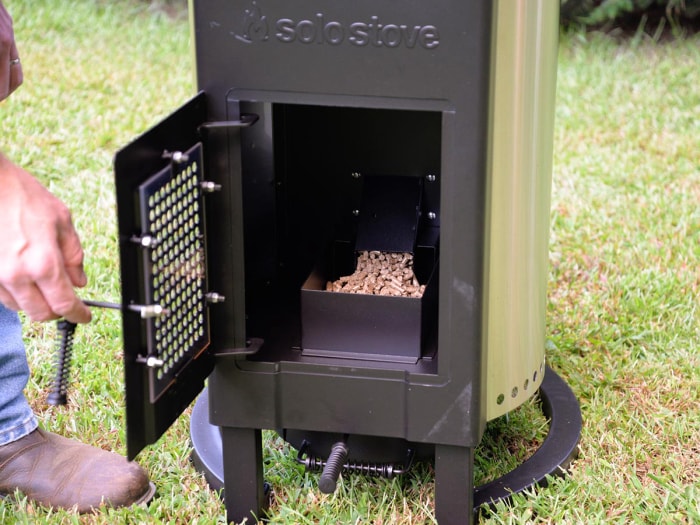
380,273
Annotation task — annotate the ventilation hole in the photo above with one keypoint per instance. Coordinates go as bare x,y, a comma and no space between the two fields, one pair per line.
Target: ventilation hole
500,399
514,392
527,383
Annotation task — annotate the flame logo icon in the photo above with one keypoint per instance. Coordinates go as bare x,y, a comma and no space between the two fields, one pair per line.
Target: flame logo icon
254,25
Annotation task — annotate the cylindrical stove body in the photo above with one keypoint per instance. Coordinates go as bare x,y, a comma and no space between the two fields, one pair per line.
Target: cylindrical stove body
524,63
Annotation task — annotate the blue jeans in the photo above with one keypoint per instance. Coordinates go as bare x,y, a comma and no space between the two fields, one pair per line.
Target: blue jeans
16,416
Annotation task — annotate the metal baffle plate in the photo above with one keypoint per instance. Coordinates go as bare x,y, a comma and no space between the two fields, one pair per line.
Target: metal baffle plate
172,214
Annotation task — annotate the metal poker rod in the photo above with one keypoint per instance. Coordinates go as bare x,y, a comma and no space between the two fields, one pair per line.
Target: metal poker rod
147,311
102,304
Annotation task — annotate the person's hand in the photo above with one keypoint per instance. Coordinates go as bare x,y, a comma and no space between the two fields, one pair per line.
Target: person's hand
41,259
10,68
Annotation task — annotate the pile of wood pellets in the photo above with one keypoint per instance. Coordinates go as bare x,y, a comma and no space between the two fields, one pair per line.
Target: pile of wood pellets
381,273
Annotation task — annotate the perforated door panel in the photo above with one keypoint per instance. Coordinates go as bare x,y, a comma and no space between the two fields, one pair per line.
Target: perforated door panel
162,240
172,219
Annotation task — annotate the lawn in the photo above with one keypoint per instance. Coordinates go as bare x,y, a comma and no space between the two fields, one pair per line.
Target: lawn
623,320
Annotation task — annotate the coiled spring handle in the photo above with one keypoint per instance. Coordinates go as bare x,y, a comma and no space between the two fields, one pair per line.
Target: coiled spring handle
337,463
65,332
64,351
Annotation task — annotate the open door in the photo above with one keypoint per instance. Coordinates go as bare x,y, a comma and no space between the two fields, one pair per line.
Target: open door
161,192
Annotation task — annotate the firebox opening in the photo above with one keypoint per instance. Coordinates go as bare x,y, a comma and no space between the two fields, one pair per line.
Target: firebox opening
342,180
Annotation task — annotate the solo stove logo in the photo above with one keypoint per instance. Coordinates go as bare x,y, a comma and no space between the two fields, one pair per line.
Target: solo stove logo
318,29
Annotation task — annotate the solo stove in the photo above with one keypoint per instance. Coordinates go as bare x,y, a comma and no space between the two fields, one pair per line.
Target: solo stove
326,133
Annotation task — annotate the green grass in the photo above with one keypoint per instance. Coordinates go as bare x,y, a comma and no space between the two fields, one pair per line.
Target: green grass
623,319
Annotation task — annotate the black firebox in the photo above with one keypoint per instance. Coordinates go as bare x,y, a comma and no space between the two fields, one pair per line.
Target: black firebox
327,135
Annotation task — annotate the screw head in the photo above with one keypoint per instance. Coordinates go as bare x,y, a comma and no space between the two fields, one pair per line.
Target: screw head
148,241
154,362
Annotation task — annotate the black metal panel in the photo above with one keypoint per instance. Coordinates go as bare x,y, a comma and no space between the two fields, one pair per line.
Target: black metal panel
172,217
148,196
389,213
402,110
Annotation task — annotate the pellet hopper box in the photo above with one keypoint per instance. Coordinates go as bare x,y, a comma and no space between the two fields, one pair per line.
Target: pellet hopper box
234,202
393,328
386,308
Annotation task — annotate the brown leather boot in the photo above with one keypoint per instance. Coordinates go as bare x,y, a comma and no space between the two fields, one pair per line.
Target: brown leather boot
60,472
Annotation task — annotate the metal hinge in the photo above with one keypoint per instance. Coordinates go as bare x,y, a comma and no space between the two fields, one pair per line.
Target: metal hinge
246,120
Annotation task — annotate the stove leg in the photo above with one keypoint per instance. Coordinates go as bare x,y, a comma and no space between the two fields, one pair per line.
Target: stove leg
244,493
454,485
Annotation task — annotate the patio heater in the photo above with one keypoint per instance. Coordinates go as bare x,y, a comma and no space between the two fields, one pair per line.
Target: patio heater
325,134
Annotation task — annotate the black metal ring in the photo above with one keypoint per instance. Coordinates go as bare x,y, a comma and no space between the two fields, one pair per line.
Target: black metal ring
556,453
